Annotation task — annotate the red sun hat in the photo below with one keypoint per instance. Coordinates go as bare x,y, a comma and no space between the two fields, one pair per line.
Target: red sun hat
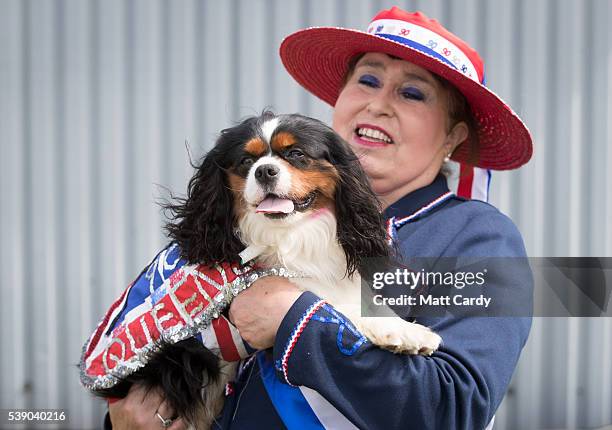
318,59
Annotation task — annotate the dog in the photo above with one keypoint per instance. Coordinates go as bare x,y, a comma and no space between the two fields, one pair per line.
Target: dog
283,191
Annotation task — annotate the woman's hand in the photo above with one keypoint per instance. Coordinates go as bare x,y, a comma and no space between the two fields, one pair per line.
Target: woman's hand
258,311
139,409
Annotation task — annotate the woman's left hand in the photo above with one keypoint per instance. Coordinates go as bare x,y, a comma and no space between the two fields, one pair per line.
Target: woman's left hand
258,311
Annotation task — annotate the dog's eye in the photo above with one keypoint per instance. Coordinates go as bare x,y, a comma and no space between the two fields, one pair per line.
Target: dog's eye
246,162
295,153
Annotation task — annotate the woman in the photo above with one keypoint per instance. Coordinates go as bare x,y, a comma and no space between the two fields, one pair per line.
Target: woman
407,94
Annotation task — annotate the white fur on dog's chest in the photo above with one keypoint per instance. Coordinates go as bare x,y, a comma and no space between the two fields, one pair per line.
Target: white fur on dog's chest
308,244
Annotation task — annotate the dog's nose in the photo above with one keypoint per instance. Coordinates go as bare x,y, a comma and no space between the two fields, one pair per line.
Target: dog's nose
266,173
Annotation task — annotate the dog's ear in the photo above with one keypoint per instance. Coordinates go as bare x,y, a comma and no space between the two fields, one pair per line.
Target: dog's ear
203,223
361,229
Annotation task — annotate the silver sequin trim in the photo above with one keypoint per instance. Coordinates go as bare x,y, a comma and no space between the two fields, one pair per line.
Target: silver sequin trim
246,277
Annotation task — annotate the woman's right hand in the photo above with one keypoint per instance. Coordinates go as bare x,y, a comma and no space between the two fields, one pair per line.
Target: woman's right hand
139,409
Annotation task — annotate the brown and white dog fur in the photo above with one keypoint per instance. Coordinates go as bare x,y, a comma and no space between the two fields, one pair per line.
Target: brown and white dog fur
305,240
290,191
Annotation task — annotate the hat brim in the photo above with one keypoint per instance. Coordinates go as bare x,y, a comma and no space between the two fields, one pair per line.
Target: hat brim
318,59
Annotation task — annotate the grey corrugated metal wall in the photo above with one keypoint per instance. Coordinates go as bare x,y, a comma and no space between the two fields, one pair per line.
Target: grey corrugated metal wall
97,100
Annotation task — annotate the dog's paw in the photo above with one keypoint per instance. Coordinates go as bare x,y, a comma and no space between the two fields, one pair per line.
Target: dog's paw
415,339
400,336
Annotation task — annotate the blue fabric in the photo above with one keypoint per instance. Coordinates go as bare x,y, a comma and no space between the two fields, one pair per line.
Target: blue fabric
417,46
289,402
460,386
348,338
425,50
152,277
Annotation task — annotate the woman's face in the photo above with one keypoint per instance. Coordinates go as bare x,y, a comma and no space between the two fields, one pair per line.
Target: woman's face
394,115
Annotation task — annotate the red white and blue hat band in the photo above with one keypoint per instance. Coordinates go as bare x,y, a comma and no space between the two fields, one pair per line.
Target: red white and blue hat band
426,41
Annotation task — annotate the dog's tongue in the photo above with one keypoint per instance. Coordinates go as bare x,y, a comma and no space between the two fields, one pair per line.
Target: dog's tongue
275,205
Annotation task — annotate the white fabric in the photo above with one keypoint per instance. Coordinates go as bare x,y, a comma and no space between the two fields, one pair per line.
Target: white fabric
429,39
329,416
480,184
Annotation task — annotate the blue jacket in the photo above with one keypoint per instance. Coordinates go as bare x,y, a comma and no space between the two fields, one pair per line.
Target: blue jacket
459,387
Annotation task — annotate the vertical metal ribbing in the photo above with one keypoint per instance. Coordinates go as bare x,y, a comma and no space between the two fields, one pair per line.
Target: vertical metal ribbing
115,108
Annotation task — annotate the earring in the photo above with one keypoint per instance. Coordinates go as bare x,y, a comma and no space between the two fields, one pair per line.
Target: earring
448,157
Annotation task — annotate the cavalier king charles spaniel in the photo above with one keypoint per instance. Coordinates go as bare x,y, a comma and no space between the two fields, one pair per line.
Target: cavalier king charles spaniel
284,191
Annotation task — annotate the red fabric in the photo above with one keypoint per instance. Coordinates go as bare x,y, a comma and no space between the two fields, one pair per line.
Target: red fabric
183,289
228,349
466,179
96,336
